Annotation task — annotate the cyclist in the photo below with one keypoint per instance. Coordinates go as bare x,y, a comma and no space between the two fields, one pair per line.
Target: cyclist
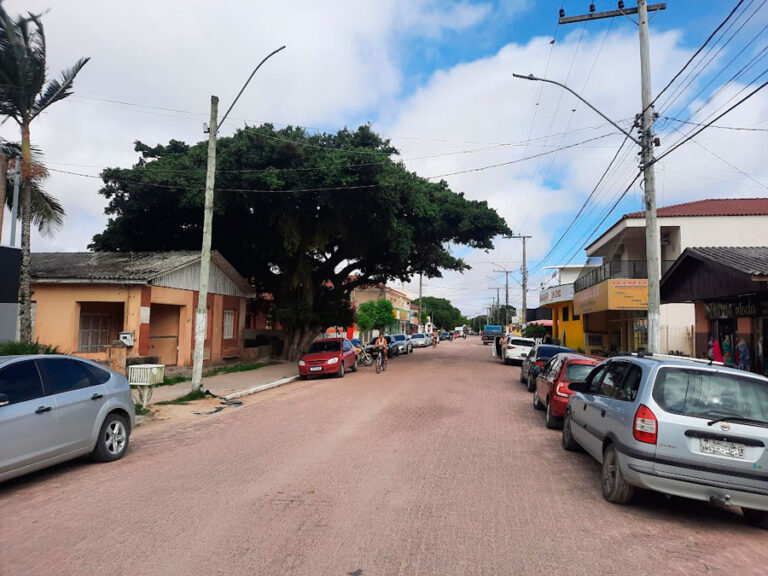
381,345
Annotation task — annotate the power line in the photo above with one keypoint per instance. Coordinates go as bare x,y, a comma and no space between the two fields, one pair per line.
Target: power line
738,128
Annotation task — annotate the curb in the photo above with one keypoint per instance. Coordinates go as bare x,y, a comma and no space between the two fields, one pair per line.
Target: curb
260,388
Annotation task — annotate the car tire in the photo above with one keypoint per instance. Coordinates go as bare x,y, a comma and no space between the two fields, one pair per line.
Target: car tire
567,441
615,488
340,373
530,385
354,366
522,380
757,518
113,439
552,421
537,405
302,376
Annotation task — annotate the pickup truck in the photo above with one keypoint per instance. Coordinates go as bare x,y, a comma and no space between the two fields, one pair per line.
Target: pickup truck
490,332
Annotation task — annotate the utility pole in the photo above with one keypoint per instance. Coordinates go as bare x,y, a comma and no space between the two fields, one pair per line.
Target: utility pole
647,137
524,274
506,293
201,315
421,277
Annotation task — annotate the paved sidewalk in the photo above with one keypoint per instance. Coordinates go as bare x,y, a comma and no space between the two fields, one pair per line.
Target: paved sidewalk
223,384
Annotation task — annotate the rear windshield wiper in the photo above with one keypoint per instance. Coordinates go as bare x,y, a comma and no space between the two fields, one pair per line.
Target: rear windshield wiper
739,420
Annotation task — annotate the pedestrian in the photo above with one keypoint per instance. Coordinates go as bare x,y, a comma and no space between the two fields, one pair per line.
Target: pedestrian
743,353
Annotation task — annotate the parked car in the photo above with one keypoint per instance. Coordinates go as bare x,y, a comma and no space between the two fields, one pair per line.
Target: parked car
419,340
402,344
55,408
676,426
552,392
328,356
538,356
516,349
446,336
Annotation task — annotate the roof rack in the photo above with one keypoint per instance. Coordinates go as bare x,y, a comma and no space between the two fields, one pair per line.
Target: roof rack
673,357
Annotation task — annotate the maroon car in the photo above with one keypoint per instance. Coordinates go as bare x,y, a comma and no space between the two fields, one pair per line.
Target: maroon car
552,382
328,356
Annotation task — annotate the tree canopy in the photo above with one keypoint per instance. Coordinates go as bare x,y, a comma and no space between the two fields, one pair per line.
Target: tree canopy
306,217
444,314
374,314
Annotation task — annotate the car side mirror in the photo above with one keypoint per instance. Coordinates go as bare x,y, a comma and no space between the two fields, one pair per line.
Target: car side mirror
578,386
4,400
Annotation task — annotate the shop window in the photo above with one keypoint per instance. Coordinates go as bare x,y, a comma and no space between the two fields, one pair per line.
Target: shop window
565,314
229,324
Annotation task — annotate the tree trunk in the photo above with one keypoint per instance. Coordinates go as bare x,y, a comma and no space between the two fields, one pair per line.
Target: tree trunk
299,339
3,177
25,291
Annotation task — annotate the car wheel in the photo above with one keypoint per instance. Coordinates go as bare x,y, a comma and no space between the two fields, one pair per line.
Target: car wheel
522,380
302,376
112,442
757,518
568,442
340,373
615,487
530,383
552,421
354,366
537,405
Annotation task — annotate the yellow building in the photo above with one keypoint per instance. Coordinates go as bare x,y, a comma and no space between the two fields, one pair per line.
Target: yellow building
567,327
84,301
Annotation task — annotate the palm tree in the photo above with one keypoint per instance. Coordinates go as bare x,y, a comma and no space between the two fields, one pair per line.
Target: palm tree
24,94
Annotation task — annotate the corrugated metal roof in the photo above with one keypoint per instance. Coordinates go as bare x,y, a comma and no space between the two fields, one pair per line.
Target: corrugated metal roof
751,260
133,267
711,207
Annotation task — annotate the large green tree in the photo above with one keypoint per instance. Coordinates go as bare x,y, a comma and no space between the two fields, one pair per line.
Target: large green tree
444,314
24,94
306,217
374,314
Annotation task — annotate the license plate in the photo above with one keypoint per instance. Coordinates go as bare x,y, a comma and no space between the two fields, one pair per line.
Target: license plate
721,448
315,368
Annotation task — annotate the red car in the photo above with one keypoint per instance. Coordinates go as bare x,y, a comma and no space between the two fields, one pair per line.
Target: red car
328,356
552,392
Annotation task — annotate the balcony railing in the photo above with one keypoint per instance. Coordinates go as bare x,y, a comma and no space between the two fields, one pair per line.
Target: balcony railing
617,269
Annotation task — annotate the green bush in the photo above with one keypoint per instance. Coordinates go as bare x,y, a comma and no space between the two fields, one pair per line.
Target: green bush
22,348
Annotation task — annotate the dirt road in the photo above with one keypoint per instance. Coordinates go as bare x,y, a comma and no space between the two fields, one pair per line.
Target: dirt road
439,466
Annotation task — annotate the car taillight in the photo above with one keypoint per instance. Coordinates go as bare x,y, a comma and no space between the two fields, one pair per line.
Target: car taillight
645,428
562,389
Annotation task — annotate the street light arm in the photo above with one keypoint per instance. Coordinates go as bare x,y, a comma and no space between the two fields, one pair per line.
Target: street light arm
619,128
246,85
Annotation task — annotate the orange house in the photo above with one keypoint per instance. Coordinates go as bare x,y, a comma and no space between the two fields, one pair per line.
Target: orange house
84,301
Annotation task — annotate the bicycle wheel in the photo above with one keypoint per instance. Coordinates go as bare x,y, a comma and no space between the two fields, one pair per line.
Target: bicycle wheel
378,364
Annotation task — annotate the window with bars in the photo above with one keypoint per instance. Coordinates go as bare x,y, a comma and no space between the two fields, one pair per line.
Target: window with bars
94,331
229,324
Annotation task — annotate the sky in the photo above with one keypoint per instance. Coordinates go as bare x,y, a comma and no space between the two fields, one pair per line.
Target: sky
434,76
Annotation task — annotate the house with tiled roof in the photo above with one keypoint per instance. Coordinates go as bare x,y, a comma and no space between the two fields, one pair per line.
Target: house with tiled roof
614,295
83,301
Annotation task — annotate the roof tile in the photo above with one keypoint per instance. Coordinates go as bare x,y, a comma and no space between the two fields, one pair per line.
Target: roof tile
711,207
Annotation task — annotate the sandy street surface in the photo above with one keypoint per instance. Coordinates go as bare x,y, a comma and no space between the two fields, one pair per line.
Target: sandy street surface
439,466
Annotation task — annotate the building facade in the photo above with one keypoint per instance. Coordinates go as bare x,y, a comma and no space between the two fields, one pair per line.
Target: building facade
401,305
613,298
83,302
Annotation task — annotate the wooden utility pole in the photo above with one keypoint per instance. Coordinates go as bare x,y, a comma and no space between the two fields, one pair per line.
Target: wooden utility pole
647,137
201,315
524,274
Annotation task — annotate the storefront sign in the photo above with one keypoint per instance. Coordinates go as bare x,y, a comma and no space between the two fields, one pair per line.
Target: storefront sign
614,294
724,310
562,293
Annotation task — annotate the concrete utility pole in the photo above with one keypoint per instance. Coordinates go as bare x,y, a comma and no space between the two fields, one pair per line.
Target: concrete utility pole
421,278
652,247
201,315
524,274
506,293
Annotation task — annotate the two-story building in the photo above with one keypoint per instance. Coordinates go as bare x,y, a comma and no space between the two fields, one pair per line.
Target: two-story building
557,295
401,304
613,298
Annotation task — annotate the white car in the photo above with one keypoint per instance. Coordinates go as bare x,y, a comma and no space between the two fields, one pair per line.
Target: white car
420,340
516,349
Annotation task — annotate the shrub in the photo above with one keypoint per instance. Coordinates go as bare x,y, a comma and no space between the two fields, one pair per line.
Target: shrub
22,348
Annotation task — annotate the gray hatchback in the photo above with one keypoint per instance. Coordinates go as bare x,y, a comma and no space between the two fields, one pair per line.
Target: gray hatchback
676,426
54,408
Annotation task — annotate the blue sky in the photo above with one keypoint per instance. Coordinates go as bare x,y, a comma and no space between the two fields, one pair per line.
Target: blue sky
433,75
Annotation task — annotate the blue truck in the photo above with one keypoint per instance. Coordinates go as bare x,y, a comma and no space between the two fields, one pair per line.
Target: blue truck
490,332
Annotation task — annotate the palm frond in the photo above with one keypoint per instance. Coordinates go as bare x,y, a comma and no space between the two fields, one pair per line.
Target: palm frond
57,90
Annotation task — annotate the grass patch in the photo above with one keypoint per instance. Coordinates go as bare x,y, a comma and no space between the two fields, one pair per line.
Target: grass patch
169,381
186,399
141,411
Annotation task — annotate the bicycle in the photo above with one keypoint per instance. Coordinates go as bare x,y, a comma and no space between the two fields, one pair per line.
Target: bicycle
381,361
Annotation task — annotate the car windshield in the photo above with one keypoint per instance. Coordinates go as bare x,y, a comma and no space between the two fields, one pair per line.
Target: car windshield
709,394
417,336
399,337
325,346
578,372
519,342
